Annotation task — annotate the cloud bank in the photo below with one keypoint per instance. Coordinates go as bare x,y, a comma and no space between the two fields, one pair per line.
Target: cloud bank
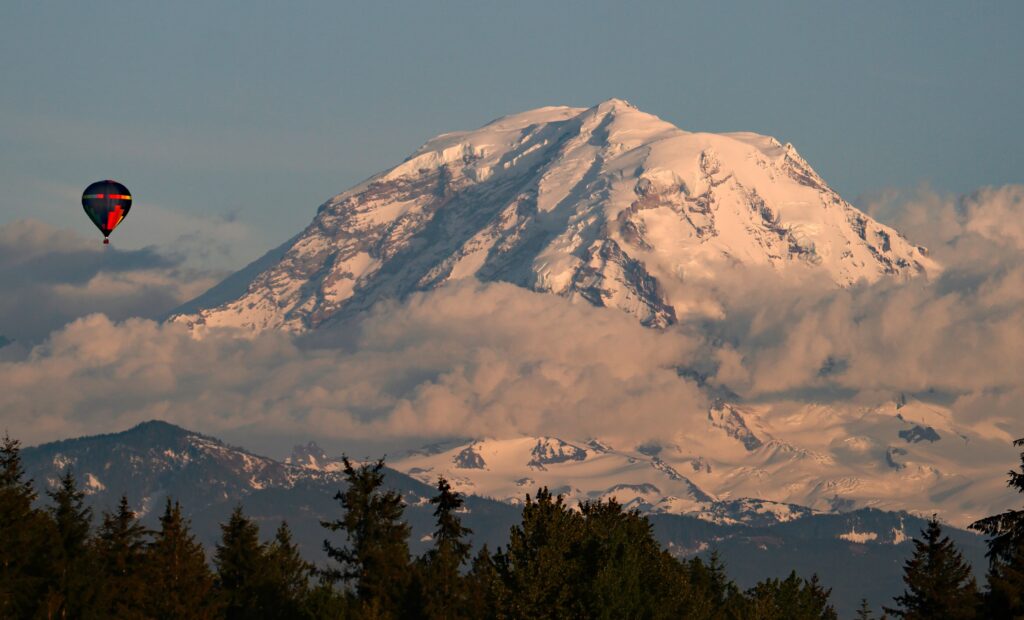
961,334
469,359
491,359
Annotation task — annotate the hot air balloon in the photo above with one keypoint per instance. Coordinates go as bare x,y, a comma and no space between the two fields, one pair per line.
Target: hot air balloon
106,203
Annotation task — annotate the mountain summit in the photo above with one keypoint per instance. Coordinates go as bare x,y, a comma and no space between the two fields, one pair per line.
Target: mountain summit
607,204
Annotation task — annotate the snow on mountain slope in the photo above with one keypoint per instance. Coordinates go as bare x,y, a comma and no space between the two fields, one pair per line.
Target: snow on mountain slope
609,204
508,469
753,465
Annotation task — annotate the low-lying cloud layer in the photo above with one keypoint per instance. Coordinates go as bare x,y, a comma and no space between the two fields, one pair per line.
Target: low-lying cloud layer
474,359
466,360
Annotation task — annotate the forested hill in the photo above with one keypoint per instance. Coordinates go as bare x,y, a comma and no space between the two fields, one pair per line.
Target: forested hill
857,554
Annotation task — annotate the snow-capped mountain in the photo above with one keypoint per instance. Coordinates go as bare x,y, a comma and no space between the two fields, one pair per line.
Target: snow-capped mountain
609,205
616,207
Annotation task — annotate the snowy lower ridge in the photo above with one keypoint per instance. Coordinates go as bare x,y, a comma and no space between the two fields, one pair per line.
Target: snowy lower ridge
754,465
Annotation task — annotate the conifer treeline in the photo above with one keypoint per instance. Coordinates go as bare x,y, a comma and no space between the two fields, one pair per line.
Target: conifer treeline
597,561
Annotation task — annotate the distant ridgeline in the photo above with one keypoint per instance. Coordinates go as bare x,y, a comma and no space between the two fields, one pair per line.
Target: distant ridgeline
394,547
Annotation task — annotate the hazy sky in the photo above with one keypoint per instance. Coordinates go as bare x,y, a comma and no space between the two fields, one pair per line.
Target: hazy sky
244,116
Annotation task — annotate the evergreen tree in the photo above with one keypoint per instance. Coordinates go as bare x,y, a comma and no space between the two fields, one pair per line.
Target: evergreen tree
1004,597
181,585
624,573
719,587
26,553
241,568
790,599
72,516
324,602
1006,530
443,587
484,587
600,561
414,598
712,594
287,587
939,582
74,589
261,580
864,611
376,556
120,552
538,567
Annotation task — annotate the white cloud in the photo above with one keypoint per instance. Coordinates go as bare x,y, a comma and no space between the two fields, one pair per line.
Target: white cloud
961,334
468,359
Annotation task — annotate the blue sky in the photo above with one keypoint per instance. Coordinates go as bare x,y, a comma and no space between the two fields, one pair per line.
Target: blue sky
249,114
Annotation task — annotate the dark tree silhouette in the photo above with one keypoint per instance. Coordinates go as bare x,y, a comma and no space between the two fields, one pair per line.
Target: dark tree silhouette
74,589
26,536
120,548
598,561
287,578
792,598
538,568
241,568
711,593
442,588
864,611
484,585
180,582
1004,597
1005,530
375,557
939,582
623,570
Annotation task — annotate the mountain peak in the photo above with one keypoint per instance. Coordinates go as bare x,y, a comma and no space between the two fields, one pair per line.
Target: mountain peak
615,105
151,430
158,426
609,205
310,456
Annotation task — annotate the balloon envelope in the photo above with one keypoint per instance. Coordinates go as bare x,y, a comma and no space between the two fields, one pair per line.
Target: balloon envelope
106,203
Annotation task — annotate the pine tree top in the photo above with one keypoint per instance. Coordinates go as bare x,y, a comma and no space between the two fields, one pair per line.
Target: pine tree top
72,517
939,581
